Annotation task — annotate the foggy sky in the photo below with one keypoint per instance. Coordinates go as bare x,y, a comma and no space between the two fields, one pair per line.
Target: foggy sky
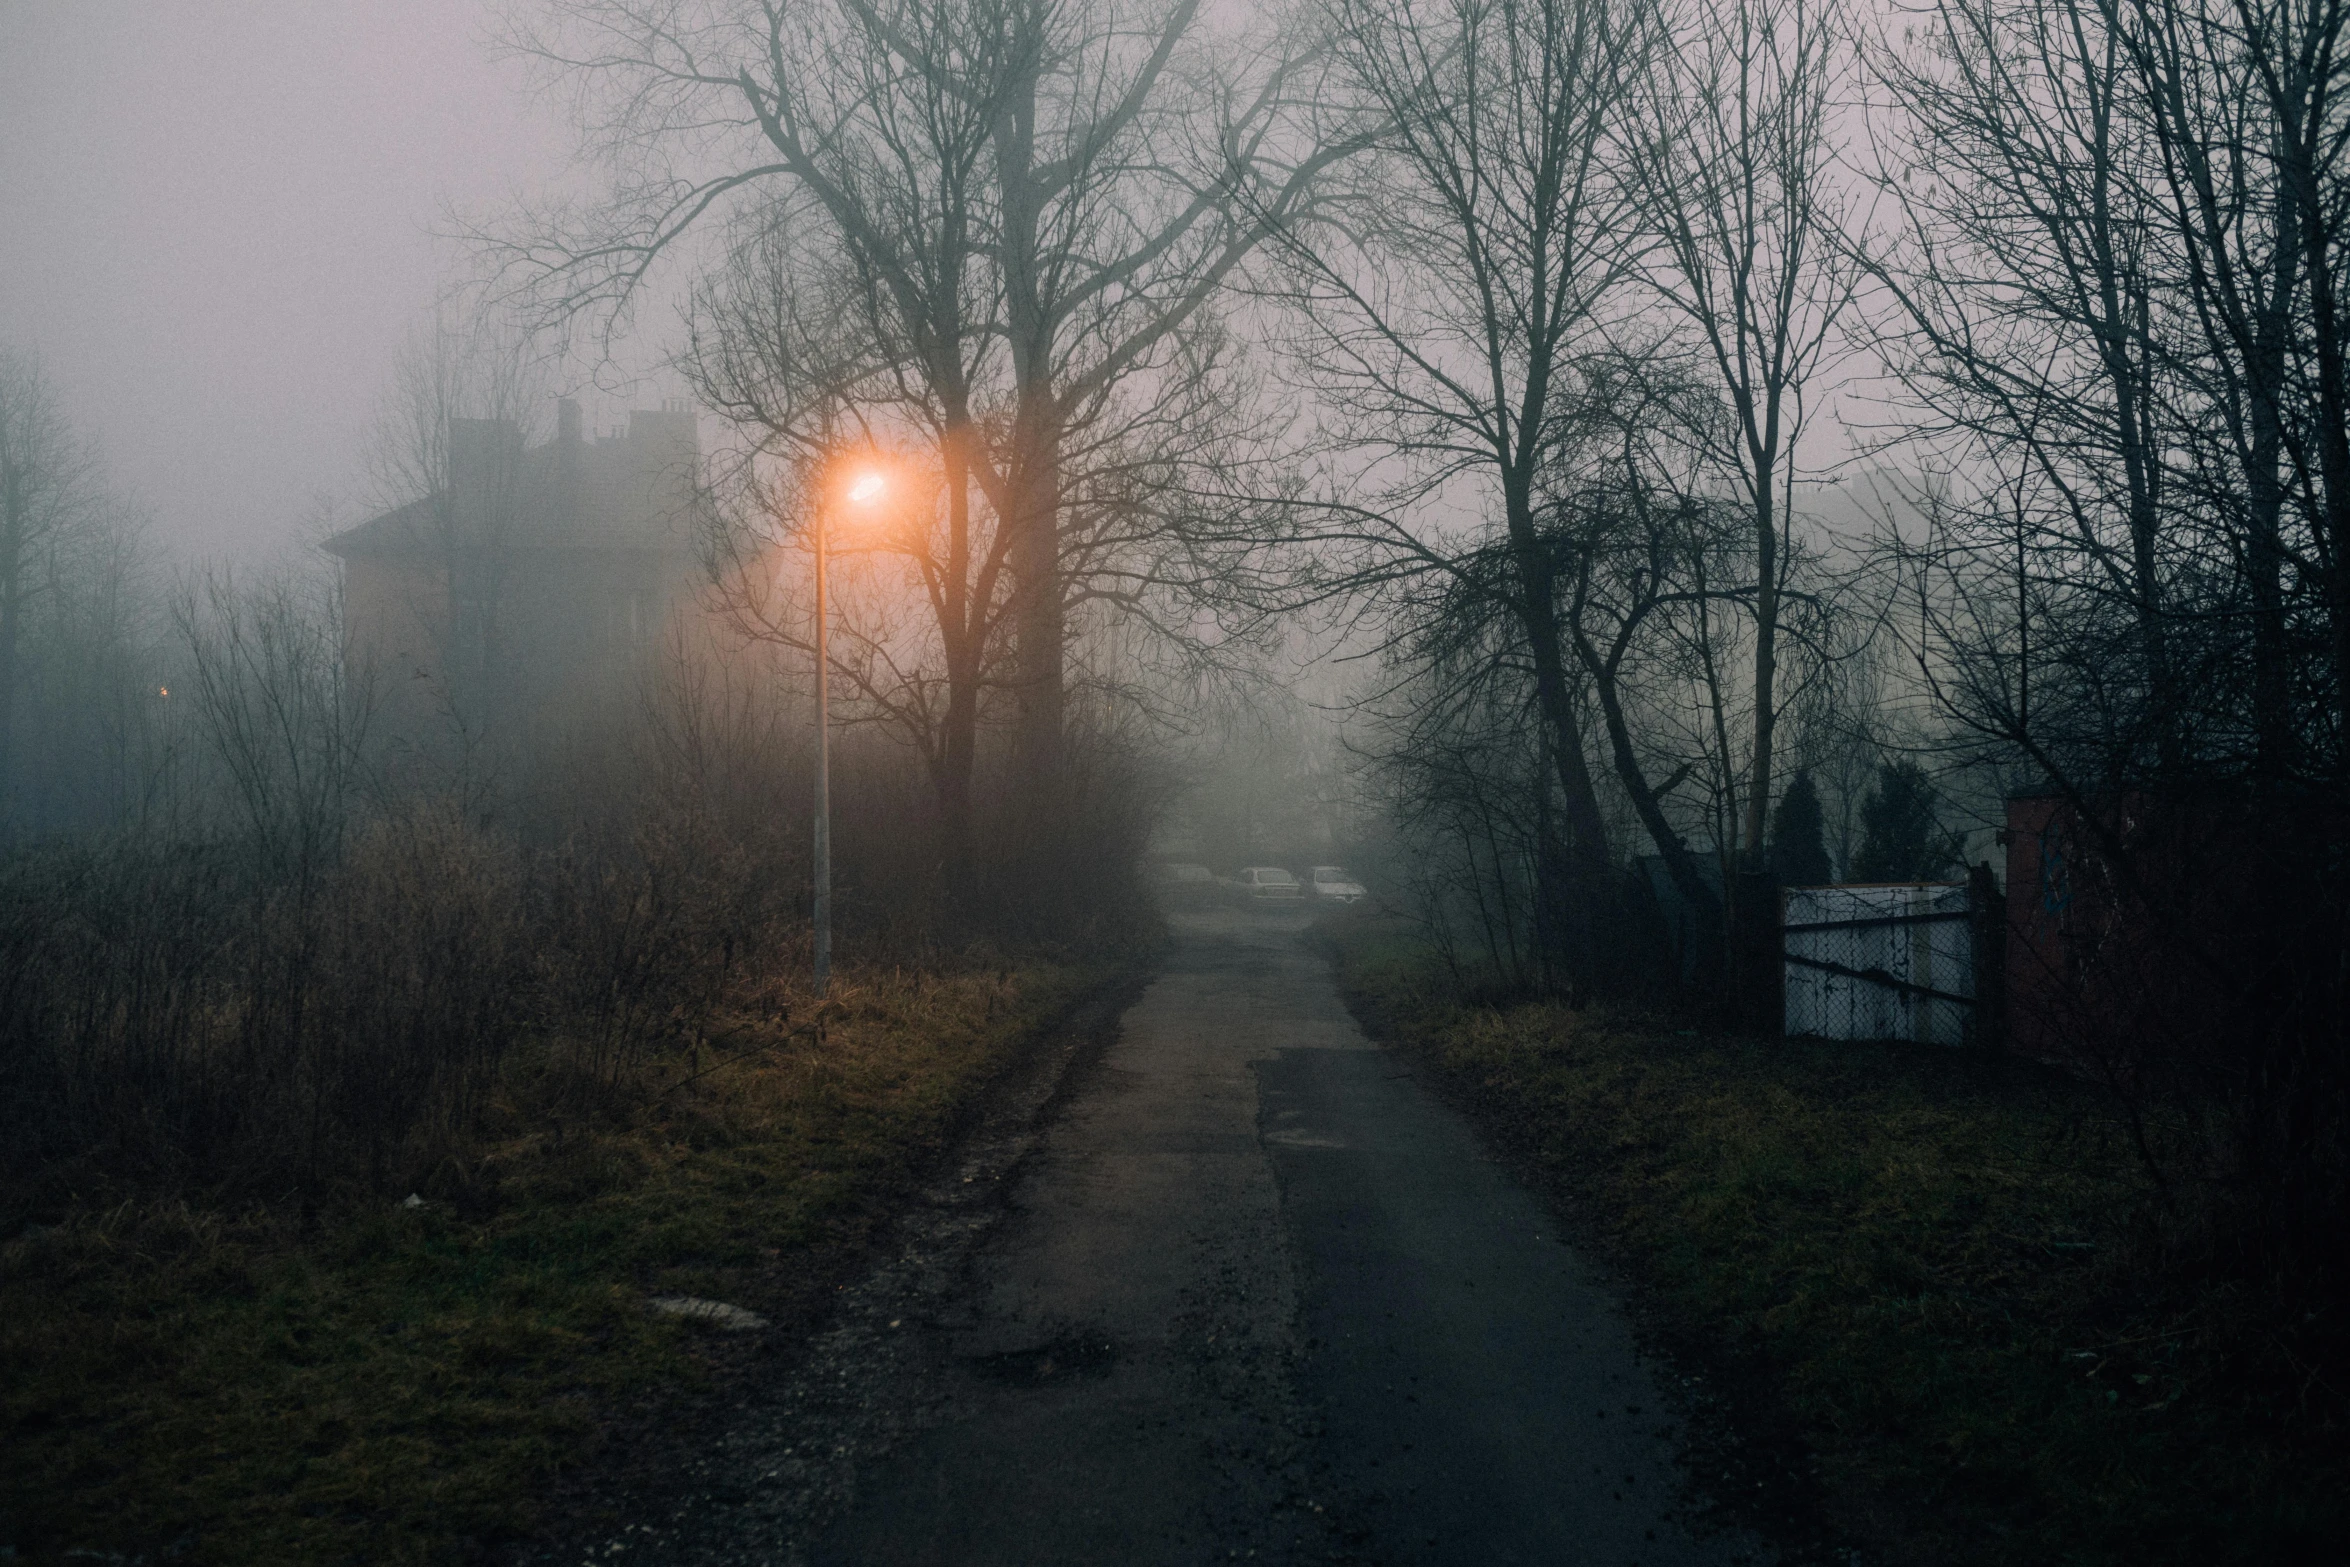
215,229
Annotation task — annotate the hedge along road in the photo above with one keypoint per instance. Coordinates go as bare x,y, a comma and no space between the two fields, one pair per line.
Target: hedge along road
1258,1296
1237,1290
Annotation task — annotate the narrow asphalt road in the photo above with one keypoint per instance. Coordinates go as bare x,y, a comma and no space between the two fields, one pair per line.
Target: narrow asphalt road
1258,1296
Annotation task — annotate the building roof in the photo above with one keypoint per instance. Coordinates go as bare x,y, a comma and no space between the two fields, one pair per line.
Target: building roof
404,530
634,490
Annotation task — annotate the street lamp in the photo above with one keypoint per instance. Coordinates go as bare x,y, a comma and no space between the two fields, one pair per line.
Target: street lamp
865,488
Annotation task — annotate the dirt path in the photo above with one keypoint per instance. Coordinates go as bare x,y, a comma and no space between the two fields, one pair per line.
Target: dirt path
1253,1295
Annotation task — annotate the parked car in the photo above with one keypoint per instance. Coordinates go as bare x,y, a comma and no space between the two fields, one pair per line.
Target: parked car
1262,884
1331,884
1180,883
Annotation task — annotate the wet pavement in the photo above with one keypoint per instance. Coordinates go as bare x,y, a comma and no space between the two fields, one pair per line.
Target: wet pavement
1247,1292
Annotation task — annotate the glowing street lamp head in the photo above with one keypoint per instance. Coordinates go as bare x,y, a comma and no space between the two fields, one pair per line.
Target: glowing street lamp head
868,487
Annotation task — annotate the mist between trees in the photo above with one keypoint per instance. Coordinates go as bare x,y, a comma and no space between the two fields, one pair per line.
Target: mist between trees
1707,438
320,880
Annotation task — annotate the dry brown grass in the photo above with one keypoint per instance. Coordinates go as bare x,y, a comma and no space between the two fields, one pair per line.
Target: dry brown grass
177,1020
400,1385
1947,1273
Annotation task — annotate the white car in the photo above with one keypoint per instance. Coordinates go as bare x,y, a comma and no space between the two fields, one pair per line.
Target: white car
1267,884
1333,884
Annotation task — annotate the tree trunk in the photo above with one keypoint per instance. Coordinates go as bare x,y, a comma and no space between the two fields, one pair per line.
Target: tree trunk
1035,480
1679,864
1584,843
956,754
1766,667
2272,714
958,747
1039,629
2333,389
1586,834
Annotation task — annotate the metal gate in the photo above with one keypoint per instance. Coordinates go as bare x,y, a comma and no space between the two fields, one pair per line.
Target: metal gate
1892,961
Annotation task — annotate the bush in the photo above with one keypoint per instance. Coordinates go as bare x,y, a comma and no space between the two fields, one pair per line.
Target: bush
172,1021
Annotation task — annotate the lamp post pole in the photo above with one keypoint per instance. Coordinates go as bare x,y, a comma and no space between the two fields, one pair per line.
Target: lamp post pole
823,856
867,491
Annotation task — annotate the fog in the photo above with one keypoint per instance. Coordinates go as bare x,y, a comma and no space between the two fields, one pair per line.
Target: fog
217,227
288,267
695,642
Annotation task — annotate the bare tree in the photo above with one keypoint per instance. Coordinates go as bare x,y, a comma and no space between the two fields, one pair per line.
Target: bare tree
1452,301
1656,568
800,358
282,717
1458,778
860,298
2026,308
2116,318
1640,550
1736,175
792,344
49,499
1069,182
2243,101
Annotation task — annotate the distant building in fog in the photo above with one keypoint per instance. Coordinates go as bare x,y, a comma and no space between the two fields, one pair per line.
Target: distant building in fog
532,588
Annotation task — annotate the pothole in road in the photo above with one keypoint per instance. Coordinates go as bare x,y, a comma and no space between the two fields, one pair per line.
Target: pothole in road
1072,1356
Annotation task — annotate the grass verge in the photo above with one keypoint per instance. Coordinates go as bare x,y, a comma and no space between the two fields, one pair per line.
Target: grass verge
402,1384
1943,1275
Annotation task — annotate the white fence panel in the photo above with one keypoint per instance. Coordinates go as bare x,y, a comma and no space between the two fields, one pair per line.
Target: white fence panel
1890,961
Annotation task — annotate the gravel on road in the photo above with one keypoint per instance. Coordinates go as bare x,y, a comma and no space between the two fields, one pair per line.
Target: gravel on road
1227,1286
